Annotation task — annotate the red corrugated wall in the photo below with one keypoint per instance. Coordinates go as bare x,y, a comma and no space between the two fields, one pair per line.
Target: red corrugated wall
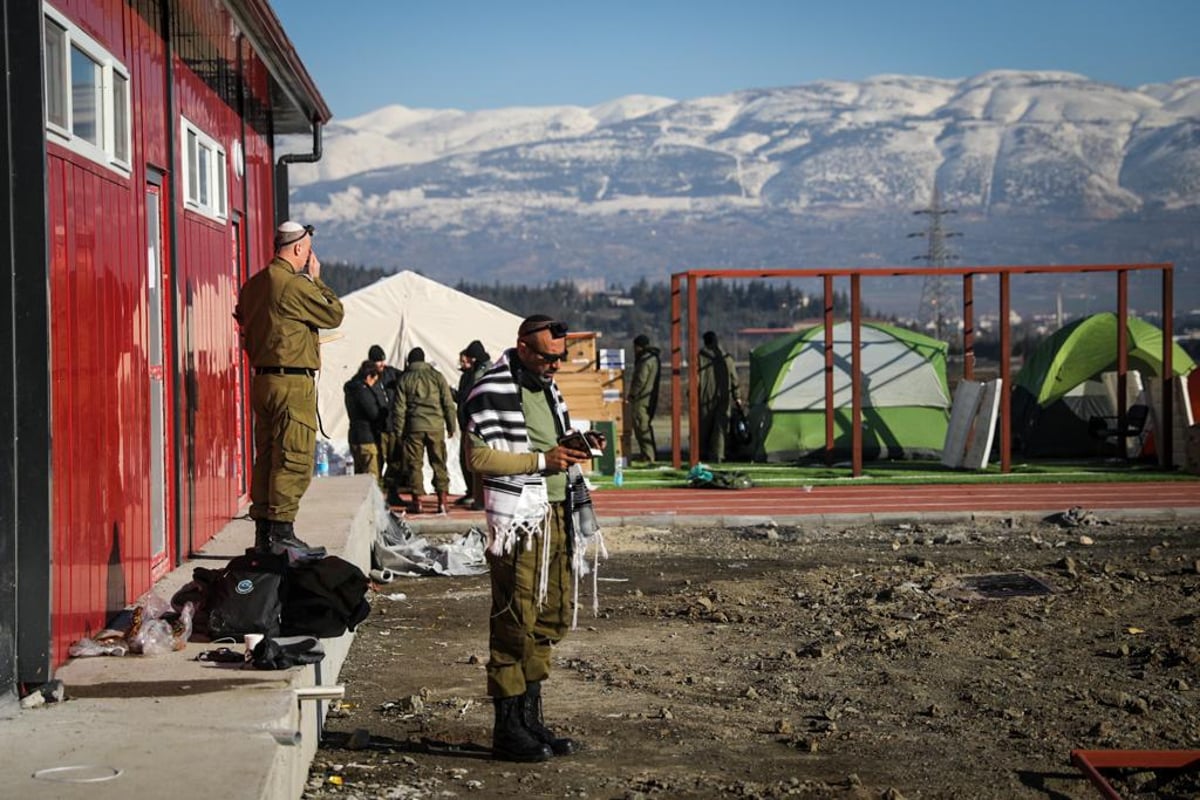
100,325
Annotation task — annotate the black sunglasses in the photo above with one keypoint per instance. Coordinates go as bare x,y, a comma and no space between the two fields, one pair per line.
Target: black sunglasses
557,329
548,358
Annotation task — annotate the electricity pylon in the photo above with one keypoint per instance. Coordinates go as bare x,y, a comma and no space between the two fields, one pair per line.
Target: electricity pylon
938,306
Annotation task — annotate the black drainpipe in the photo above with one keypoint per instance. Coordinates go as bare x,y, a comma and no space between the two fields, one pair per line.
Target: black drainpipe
281,171
177,376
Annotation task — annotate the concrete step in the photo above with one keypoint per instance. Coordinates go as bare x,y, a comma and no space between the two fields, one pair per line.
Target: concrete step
171,726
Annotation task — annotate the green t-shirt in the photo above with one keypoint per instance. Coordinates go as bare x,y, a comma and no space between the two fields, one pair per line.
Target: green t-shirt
543,436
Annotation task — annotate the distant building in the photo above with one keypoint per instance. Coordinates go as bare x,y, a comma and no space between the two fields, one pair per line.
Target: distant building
589,286
138,163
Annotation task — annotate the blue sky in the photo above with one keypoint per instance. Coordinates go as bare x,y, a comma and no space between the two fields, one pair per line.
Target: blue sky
474,54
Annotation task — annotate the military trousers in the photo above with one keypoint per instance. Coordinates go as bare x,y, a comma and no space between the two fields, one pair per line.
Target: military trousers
714,422
395,475
285,439
416,445
367,461
520,634
643,431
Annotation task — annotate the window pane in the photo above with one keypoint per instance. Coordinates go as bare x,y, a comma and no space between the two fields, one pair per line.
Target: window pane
121,117
86,119
222,196
204,171
193,178
56,67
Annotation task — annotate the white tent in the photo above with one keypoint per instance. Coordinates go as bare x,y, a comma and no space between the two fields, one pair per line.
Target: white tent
399,313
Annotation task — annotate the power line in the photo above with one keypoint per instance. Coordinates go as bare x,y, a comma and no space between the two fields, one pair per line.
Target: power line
938,307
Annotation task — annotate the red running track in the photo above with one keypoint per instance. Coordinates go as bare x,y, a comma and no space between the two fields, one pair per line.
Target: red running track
915,499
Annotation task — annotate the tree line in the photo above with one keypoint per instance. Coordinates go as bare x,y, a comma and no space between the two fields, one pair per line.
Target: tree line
620,313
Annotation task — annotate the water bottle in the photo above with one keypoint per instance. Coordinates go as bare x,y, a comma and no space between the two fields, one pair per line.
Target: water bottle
322,459
619,472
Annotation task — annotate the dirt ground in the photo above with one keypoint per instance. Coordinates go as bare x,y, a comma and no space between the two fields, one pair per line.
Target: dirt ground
803,662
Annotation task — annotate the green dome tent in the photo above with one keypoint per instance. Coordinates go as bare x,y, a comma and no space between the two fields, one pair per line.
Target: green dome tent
905,401
1060,386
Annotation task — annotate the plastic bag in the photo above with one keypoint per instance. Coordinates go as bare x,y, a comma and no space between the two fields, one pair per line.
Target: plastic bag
153,606
153,638
91,647
156,628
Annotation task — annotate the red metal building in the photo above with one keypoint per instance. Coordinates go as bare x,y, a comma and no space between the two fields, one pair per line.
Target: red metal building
140,188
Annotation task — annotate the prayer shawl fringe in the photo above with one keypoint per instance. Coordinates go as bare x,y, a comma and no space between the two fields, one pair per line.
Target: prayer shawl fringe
517,506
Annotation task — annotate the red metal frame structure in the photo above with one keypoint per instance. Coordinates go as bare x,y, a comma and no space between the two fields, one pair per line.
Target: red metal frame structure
692,277
1090,762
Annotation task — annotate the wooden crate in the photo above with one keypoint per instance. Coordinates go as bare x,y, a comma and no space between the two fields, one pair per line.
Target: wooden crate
595,395
581,352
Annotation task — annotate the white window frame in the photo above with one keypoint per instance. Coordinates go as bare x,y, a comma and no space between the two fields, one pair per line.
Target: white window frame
211,178
106,151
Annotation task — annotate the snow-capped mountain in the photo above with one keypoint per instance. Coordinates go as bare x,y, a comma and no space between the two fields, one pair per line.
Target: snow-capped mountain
647,186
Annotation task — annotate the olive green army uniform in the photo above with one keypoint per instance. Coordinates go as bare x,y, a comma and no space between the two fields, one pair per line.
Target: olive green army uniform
643,400
718,389
280,312
521,634
425,416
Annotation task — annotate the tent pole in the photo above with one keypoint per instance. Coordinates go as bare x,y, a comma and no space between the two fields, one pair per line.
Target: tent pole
676,373
856,372
1122,354
1167,446
1005,374
968,372
693,374
828,284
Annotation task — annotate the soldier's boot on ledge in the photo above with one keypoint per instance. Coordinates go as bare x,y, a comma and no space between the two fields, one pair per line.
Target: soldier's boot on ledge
262,535
531,715
511,741
441,498
283,541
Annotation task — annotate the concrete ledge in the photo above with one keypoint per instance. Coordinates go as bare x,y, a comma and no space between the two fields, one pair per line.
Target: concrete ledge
179,728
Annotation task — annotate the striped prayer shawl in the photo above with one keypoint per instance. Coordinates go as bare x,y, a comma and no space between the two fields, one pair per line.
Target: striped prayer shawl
517,506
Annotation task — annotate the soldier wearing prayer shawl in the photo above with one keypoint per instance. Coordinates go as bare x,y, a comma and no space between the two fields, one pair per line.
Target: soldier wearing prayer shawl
540,524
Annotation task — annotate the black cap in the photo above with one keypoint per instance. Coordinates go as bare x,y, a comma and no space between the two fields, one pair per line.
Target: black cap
641,340
415,355
476,351
710,338
376,353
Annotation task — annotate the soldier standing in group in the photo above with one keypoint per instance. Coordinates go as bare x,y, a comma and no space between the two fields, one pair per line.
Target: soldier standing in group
643,398
280,309
391,465
472,362
367,411
425,416
718,394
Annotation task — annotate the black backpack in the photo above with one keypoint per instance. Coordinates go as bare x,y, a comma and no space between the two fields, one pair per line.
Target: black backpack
247,596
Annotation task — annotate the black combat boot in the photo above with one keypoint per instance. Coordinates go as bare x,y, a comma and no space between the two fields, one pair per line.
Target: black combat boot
531,715
283,541
510,739
262,535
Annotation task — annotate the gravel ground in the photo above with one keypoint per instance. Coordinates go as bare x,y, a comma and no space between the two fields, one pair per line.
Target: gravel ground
910,661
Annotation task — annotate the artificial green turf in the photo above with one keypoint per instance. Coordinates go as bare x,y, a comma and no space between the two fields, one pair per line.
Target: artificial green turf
883,473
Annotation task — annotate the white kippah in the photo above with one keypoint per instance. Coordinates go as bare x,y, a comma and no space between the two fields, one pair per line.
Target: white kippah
289,227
